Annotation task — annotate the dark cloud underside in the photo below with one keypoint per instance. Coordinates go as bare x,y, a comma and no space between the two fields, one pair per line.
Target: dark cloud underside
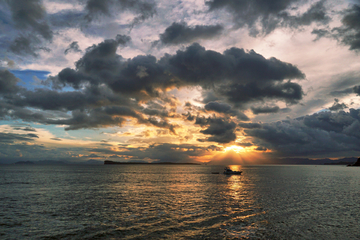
349,32
179,33
322,133
107,88
262,17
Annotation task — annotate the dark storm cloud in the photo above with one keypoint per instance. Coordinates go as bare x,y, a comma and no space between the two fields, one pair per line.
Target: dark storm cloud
243,93
53,100
265,109
260,149
179,33
143,9
316,13
103,83
233,72
349,32
73,47
66,18
29,17
209,96
221,130
25,45
196,65
356,90
337,106
236,75
269,15
320,133
13,137
225,108
218,107
250,125
269,109
8,82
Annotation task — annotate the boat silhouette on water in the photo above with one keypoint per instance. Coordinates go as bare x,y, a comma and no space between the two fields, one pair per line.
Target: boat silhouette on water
228,171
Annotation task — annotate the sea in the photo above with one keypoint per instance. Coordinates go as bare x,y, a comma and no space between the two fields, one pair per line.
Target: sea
179,202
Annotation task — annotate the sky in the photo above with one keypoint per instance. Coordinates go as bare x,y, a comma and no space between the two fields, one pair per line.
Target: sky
217,81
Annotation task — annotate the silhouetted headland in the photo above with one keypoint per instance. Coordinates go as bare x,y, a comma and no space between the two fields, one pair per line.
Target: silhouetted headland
357,164
145,163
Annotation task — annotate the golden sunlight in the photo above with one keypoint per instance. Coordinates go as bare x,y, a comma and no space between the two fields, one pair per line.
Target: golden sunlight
234,148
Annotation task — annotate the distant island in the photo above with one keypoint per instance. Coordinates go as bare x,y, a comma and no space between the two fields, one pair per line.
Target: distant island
357,164
145,163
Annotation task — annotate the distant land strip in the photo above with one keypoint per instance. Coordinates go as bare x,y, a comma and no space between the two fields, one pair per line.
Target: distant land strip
144,163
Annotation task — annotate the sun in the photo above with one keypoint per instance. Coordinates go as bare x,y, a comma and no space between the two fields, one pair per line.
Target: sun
234,148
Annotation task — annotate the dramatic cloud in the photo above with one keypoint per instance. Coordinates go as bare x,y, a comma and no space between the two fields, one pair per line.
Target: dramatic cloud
225,108
266,109
8,83
235,70
160,152
135,80
143,9
179,33
13,137
221,130
349,32
337,106
262,17
73,47
318,134
269,109
29,16
108,89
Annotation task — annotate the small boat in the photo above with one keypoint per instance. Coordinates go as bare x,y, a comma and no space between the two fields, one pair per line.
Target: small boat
228,171
215,172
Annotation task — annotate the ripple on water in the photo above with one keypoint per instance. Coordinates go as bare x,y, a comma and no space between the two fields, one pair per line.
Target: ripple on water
178,202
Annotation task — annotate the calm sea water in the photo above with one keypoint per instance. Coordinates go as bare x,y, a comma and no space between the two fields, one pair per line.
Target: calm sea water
179,202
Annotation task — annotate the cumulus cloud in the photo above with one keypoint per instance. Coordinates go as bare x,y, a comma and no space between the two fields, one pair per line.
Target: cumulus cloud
29,17
221,130
14,137
349,32
179,33
143,9
108,90
73,47
265,109
232,72
262,17
322,133
337,106
8,83
226,109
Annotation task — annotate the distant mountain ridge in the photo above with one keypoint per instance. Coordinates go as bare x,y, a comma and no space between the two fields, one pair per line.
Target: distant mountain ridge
59,162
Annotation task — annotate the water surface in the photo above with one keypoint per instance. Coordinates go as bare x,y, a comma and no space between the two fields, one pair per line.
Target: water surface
179,202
